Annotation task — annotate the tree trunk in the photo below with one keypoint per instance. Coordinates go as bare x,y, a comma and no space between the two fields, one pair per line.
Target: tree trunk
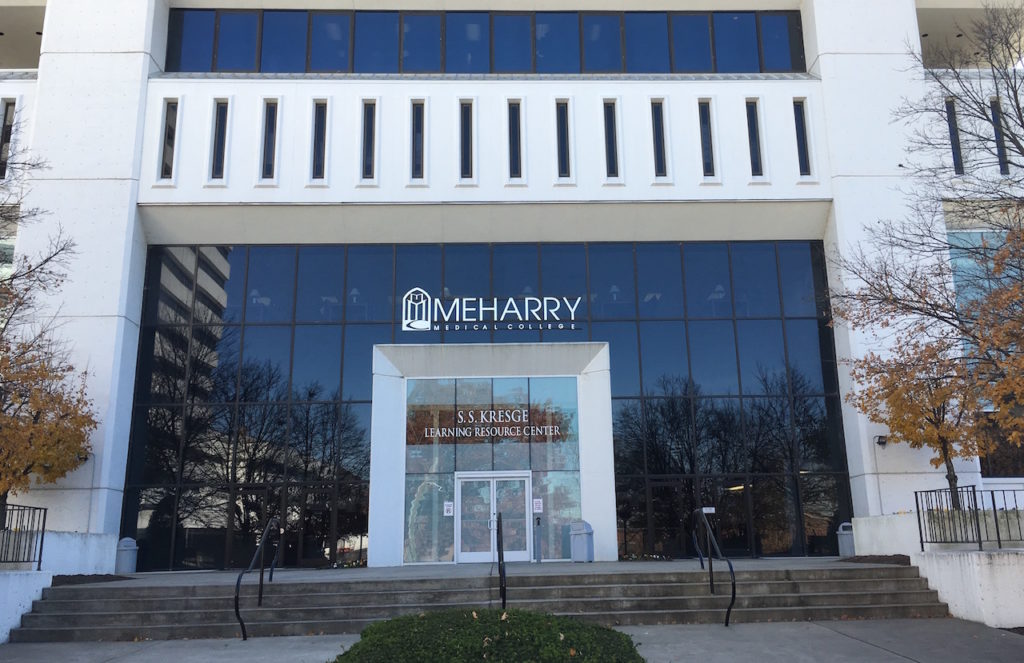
951,477
3,510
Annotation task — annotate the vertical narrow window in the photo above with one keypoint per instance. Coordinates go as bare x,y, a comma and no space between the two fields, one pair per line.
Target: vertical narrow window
562,128
515,141
369,133
611,148
466,140
997,125
706,147
170,129
319,140
220,138
658,128
6,135
954,137
269,140
417,141
803,152
754,138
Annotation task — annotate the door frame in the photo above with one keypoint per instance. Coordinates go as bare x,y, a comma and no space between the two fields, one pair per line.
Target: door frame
492,476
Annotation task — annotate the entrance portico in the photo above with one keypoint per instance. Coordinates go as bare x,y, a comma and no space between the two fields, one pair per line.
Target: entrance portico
529,434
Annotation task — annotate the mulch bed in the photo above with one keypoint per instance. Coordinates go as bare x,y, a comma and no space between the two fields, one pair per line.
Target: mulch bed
899,560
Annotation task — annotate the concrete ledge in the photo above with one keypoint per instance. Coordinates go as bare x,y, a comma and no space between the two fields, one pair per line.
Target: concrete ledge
980,586
896,534
17,591
72,553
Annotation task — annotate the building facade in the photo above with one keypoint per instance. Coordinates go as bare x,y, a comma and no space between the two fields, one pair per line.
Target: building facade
387,270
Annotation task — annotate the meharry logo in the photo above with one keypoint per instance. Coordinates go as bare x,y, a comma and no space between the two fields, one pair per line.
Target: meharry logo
421,312
416,310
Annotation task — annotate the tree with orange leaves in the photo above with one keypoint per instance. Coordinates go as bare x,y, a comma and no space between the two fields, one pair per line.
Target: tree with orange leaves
45,415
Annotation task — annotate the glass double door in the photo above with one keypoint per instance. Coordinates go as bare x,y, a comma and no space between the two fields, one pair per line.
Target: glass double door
479,498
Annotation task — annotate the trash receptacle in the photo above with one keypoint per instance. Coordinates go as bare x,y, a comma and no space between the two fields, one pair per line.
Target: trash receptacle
582,541
127,556
845,534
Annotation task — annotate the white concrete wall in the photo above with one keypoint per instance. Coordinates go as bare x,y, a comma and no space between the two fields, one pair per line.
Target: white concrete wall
17,591
980,586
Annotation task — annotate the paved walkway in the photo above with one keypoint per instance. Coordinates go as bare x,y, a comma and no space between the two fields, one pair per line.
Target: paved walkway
878,641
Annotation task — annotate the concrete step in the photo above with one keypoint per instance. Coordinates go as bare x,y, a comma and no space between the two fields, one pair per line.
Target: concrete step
824,613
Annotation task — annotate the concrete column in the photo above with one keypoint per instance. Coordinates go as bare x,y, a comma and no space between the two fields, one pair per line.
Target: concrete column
860,51
96,58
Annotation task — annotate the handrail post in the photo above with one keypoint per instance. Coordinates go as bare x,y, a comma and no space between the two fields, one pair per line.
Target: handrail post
502,582
995,516
977,520
920,529
42,538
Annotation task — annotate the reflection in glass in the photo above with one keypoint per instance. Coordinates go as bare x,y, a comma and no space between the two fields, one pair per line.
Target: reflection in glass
320,292
313,440
190,37
602,42
467,270
429,534
720,447
329,43
511,452
352,510
824,508
646,42
691,42
467,42
207,450
612,287
805,361
631,511
163,357
736,42
659,280
237,40
475,510
558,39
762,356
797,277
510,502
421,43
472,399
768,435
555,441
781,42
417,266
774,516
560,492
284,34
513,43
220,285
369,283
149,519
265,364
271,284
213,367
430,408
564,271
154,457
713,357
316,364
671,447
623,355
672,502
354,450
376,43
201,529
708,292
515,270
262,449
167,295
755,280
629,435
663,357
729,496
818,423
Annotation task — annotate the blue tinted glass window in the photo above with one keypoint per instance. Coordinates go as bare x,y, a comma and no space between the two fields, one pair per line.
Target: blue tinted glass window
612,293
417,266
190,40
755,279
691,42
468,42
647,42
421,42
663,353
266,363
803,340
564,270
659,280
513,43
321,287
237,40
515,270
708,293
376,42
623,354
467,269
558,42
797,276
602,43
369,281
284,41
271,284
357,359
713,357
329,42
781,42
736,42
316,363
762,356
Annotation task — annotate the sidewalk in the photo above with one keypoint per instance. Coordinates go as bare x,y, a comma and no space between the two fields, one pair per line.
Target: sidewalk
878,641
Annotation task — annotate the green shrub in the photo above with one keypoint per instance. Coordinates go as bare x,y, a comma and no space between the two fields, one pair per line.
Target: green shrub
513,636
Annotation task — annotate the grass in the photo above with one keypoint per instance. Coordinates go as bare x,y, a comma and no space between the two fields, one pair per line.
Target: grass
513,636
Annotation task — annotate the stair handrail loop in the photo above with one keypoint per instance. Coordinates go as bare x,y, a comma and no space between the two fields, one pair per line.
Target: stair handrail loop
699,517
272,525
502,579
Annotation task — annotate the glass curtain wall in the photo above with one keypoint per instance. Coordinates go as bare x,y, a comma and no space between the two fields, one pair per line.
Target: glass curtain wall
254,383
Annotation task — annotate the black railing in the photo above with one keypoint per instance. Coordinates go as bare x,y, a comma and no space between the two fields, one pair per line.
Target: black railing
273,525
22,531
699,518
969,516
502,578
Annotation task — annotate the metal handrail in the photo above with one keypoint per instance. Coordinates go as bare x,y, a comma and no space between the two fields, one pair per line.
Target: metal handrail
502,580
275,524
22,533
699,516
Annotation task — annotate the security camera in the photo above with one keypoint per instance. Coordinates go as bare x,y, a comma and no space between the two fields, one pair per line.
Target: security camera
881,440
